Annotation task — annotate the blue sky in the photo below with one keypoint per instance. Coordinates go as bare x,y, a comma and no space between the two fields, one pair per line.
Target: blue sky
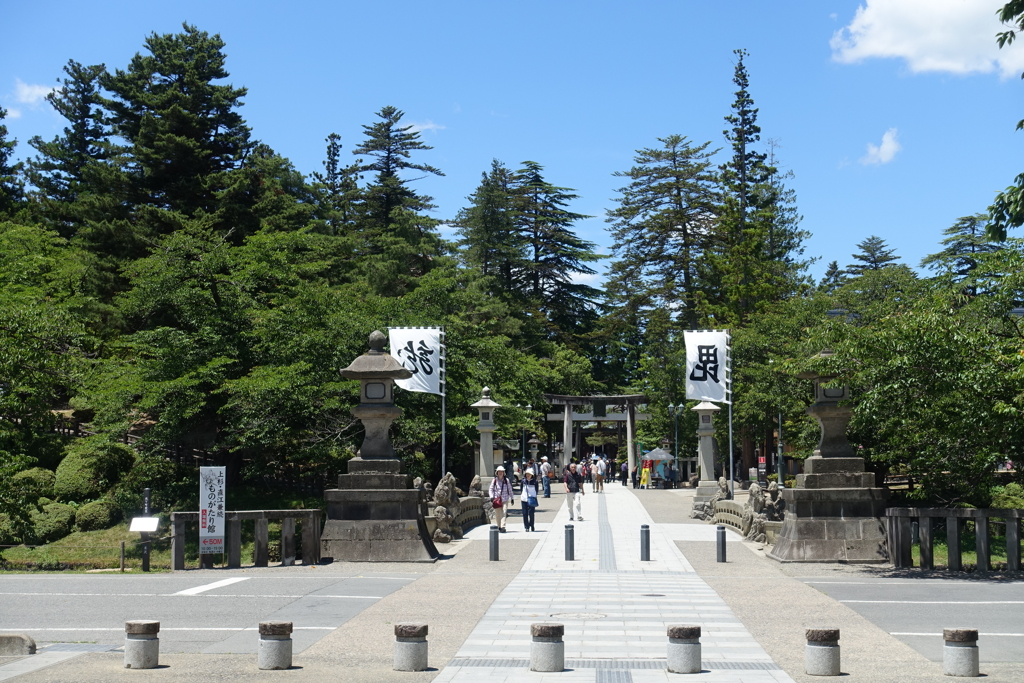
896,117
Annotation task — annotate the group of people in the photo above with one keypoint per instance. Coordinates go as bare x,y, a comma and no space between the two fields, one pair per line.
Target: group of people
573,477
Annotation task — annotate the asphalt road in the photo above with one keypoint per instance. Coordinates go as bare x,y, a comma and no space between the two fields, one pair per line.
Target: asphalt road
209,612
916,611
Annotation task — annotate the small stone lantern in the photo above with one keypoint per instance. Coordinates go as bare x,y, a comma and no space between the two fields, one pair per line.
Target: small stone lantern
534,444
485,461
832,417
376,371
707,487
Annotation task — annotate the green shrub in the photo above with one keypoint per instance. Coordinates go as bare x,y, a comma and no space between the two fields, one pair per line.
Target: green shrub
97,515
37,481
172,487
1009,497
8,534
92,466
53,522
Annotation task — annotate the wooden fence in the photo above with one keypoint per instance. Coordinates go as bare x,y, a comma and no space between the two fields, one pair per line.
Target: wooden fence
900,538
311,527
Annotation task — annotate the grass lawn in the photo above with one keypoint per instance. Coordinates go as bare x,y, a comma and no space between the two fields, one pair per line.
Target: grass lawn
84,550
968,554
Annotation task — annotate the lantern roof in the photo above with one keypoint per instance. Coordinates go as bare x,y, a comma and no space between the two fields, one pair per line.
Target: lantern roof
376,363
486,401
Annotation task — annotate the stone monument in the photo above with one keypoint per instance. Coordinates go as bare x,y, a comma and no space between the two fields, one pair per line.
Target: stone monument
374,515
707,487
835,512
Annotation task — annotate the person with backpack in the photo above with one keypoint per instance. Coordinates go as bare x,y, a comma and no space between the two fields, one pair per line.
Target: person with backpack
574,492
528,498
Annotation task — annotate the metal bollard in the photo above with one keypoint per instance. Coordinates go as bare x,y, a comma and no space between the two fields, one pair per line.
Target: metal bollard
275,650
141,644
645,543
822,652
684,649
494,543
570,551
547,651
410,647
720,537
960,652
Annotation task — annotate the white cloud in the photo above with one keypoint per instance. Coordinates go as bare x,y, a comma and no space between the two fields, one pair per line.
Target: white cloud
591,279
29,94
13,113
883,153
427,125
954,36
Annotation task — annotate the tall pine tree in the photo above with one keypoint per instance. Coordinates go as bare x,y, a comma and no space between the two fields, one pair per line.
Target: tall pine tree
491,240
11,189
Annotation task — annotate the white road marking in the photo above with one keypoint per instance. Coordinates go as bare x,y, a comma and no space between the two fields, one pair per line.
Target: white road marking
938,602
211,586
1012,635
162,629
218,595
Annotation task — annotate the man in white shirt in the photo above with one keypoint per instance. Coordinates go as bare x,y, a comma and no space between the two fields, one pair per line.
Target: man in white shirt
545,473
599,476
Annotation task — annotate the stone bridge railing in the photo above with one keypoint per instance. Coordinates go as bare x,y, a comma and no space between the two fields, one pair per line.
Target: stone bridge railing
898,531
312,523
730,513
471,514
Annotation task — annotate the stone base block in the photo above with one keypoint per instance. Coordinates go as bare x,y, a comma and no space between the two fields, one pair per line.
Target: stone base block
705,491
141,651
819,465
960,659
400,540
833,525
16,645
822,659
836,480
410,654
547,654
275,652
684,655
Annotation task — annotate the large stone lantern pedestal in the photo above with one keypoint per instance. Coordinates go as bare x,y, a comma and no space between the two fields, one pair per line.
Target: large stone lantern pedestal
835,513
373,515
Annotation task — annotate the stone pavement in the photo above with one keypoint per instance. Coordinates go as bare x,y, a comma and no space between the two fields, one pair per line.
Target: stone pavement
615,608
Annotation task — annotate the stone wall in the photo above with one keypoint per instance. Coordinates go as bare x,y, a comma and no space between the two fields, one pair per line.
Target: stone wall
471,514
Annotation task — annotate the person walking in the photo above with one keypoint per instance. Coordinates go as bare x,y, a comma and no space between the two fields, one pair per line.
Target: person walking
545,474
501,494
528,498
599,476
633,476
574,492
623,470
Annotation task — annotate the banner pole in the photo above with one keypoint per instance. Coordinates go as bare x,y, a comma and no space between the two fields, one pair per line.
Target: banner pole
443,420
732,479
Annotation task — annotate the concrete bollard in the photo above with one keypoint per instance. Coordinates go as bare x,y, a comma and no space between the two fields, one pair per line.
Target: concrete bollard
684,649
547,651
410,647
141,644
275,645
822,652
493,549
645,543
720,541
960,652
570,542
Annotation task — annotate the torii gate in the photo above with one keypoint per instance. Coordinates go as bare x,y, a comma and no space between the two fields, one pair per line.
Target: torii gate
600,403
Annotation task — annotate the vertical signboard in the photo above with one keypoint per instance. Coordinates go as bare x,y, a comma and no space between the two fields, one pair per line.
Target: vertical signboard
211,510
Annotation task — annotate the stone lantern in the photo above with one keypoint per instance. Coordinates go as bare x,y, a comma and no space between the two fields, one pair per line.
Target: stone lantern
835,512
374,515
485,460
534,444
707,486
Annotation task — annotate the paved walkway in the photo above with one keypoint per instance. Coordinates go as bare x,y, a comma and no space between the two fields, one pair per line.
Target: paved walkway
615,608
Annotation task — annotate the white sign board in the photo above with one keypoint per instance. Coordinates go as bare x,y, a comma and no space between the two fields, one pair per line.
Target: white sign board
211,510
144,524
420,350
708,366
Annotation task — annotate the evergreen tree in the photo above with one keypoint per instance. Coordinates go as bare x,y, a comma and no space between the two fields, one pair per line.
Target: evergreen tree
336,190
184,134
874,255
554,253
834,278
965,241
67,167
398,242
662,226
490,238
11,190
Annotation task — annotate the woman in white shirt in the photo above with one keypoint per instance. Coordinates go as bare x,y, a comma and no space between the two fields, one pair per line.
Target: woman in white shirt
501,494
528,498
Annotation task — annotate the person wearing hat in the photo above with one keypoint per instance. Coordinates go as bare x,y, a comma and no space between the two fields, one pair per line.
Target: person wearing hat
528,498
545,475
573,481
501,494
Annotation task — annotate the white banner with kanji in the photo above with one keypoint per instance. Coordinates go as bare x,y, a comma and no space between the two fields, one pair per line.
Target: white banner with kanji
211,510
421,351
708,366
